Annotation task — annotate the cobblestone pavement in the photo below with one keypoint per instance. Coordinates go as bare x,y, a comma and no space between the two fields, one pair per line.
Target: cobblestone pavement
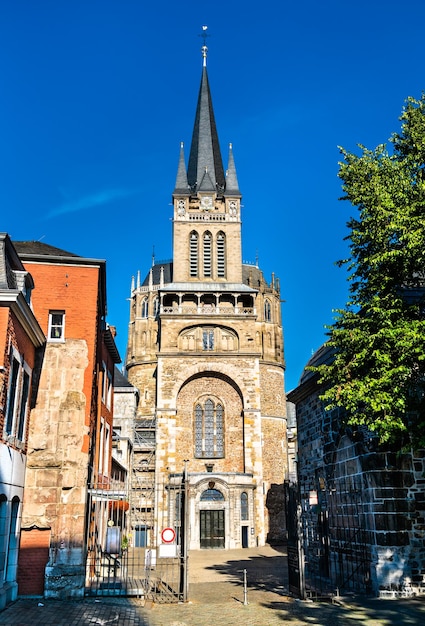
216,597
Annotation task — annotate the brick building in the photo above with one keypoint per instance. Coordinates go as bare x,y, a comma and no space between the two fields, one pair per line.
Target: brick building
205,351
21,345
70,432
363,506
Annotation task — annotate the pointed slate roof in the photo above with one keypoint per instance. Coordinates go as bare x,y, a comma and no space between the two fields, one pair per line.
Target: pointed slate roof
182,186
232,186
205,155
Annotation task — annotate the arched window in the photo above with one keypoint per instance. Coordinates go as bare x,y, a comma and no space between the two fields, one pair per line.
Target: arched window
207,254
244,506
209,431
221,255
267,311
211,495
208,339
193,254
155,307
145,307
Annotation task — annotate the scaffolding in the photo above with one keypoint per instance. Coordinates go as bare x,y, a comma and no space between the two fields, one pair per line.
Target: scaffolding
142,491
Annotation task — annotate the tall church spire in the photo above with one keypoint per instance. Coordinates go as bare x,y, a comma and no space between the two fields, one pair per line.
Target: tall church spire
205,156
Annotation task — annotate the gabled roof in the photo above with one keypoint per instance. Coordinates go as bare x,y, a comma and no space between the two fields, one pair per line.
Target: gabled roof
37,247
39,252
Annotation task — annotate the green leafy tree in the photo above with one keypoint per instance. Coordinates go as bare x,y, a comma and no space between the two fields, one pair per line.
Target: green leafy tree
378,371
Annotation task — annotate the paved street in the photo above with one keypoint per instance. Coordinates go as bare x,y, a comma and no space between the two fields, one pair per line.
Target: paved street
217,598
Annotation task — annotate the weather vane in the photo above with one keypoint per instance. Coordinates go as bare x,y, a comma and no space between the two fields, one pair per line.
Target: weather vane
204,36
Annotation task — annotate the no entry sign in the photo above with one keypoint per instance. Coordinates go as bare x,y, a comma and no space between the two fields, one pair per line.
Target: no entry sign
168,535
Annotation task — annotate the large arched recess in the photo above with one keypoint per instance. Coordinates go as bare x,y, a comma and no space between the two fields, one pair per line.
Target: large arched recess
227,371
221,390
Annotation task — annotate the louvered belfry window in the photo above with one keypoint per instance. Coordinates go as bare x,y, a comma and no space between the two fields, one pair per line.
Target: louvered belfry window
194,254
221,259
207,255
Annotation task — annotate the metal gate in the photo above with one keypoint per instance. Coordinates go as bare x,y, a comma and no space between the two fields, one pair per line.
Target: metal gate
294,547
127,552
331,529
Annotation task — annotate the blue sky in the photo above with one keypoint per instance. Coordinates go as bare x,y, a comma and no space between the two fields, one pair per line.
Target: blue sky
96,97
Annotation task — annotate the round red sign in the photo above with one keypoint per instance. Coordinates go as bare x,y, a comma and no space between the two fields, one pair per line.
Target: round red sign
168,535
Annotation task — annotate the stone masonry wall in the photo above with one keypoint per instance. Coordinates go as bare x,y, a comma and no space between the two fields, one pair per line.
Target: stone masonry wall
55,490
380,499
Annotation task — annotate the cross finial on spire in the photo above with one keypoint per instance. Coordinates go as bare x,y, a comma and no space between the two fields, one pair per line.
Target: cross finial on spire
204,48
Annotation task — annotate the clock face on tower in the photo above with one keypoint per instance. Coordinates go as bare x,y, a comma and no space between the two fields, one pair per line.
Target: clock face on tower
206,203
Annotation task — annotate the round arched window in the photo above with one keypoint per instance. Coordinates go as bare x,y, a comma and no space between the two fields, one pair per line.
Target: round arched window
211,495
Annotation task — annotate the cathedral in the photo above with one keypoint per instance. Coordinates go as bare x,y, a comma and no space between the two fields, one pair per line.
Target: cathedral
205,352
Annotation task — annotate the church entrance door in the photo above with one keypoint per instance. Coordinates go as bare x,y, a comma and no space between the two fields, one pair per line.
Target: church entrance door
212,529
244,536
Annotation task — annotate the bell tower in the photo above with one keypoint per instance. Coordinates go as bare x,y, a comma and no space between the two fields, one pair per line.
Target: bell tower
205,351
207,220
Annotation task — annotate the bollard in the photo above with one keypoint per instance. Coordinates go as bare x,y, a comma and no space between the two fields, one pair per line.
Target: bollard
245,591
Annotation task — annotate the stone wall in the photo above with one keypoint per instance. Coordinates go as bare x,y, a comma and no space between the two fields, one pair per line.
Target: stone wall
363,506
57,466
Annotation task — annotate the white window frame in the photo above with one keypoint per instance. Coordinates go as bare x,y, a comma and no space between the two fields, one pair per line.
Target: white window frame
101,445
17,404
107,386
105,469
53,326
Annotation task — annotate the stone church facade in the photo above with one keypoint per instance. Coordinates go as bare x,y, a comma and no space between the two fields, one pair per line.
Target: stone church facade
205,351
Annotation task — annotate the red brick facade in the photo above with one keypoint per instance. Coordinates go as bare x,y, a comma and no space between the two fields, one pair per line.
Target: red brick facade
70,436
33,557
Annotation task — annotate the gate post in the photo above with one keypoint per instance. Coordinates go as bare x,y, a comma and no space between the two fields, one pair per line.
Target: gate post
295,540
184,534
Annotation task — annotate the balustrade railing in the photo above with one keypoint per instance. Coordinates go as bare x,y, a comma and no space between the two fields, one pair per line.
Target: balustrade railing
206,310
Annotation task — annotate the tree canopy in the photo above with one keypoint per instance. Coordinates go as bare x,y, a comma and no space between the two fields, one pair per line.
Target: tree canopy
378,371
